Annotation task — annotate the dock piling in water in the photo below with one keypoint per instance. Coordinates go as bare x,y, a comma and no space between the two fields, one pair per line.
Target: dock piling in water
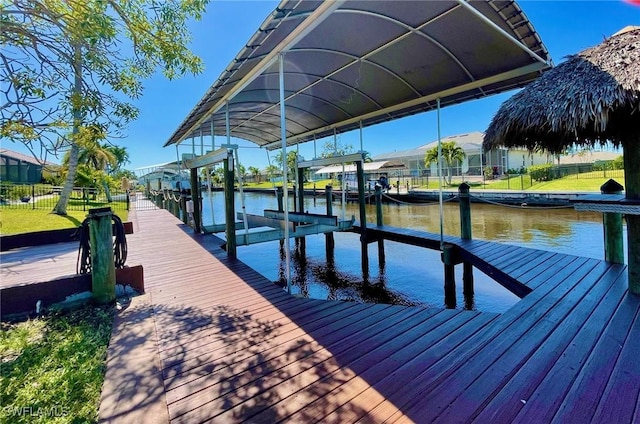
465,234
612,223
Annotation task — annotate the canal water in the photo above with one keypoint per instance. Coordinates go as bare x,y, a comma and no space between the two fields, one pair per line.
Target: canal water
410,275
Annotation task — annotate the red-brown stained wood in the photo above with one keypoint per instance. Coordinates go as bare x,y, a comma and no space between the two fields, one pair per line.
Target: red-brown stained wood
233,347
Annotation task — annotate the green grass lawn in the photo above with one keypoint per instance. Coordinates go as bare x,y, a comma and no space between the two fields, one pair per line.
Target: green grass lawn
590,181
52,367
18,221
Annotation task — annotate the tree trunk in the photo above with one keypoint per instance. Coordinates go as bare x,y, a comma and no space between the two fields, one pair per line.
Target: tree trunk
631,155
63,201
61,207
107,190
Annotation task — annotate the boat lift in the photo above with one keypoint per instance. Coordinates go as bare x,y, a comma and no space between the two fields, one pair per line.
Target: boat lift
250,228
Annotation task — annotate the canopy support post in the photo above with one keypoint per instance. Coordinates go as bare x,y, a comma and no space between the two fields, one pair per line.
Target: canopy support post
283,139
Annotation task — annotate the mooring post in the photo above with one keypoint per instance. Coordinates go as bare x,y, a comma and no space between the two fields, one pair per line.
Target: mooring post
103,270
363,220
279,196
465,234
301,190
379,217
229,205
195,197
379,221
183,206
449,276
301,240
612,223
329,236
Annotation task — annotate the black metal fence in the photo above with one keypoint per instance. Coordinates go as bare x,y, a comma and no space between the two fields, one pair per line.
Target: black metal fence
44,196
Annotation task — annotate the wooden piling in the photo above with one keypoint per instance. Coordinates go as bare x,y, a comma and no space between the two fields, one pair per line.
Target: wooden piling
612,223
379,223
195,197
449,276
379,217
183,207
280,197
363,221
103,270
300,190
330,243
465,234
229,206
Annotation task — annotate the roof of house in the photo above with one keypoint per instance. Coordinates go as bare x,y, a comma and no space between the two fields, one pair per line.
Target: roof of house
24,158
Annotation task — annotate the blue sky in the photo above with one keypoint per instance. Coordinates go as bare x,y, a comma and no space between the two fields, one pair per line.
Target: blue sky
566,27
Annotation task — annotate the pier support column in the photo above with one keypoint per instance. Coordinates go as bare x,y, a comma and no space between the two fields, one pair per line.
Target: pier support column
363,221
330,243
279,196
465,234
195,197
612,223
301,241
449,276
229,205
379,223
183,209
103,270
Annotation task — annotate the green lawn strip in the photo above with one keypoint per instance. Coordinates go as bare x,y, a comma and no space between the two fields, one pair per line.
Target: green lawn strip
19,221
52,367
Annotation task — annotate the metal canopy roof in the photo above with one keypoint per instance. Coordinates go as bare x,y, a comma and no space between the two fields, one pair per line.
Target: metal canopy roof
351,63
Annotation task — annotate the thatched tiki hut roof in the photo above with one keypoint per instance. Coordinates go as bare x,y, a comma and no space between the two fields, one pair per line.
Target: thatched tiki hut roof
591,98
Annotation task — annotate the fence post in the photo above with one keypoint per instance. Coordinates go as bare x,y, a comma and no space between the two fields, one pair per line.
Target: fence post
33,195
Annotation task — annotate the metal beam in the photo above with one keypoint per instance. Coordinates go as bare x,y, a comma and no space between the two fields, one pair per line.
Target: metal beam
210,158
354,157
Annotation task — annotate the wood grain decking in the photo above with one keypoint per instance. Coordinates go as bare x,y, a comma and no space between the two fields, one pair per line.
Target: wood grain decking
212,340
232,347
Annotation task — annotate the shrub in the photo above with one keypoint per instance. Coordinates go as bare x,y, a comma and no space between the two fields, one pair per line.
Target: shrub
541,172
618,163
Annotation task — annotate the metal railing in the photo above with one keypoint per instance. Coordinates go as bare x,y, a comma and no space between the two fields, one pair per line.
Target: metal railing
45,196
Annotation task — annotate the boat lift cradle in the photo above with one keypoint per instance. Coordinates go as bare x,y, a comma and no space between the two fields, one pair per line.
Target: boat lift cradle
270,226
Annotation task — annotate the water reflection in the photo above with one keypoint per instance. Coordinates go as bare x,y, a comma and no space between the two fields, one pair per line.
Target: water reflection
407,274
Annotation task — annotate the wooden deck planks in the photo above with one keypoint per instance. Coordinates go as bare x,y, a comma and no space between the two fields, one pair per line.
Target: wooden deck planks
535,353
233,347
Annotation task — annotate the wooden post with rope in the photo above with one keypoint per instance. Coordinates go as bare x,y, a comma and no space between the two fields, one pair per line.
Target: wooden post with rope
103,271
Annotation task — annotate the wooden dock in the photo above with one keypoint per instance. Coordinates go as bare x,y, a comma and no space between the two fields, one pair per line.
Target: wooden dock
232,347
212,340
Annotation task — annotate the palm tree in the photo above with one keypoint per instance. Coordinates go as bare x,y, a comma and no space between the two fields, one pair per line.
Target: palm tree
451,154
255,173
121,156
99,157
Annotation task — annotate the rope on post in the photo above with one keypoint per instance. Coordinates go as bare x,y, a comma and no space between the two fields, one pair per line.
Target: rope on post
120,251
